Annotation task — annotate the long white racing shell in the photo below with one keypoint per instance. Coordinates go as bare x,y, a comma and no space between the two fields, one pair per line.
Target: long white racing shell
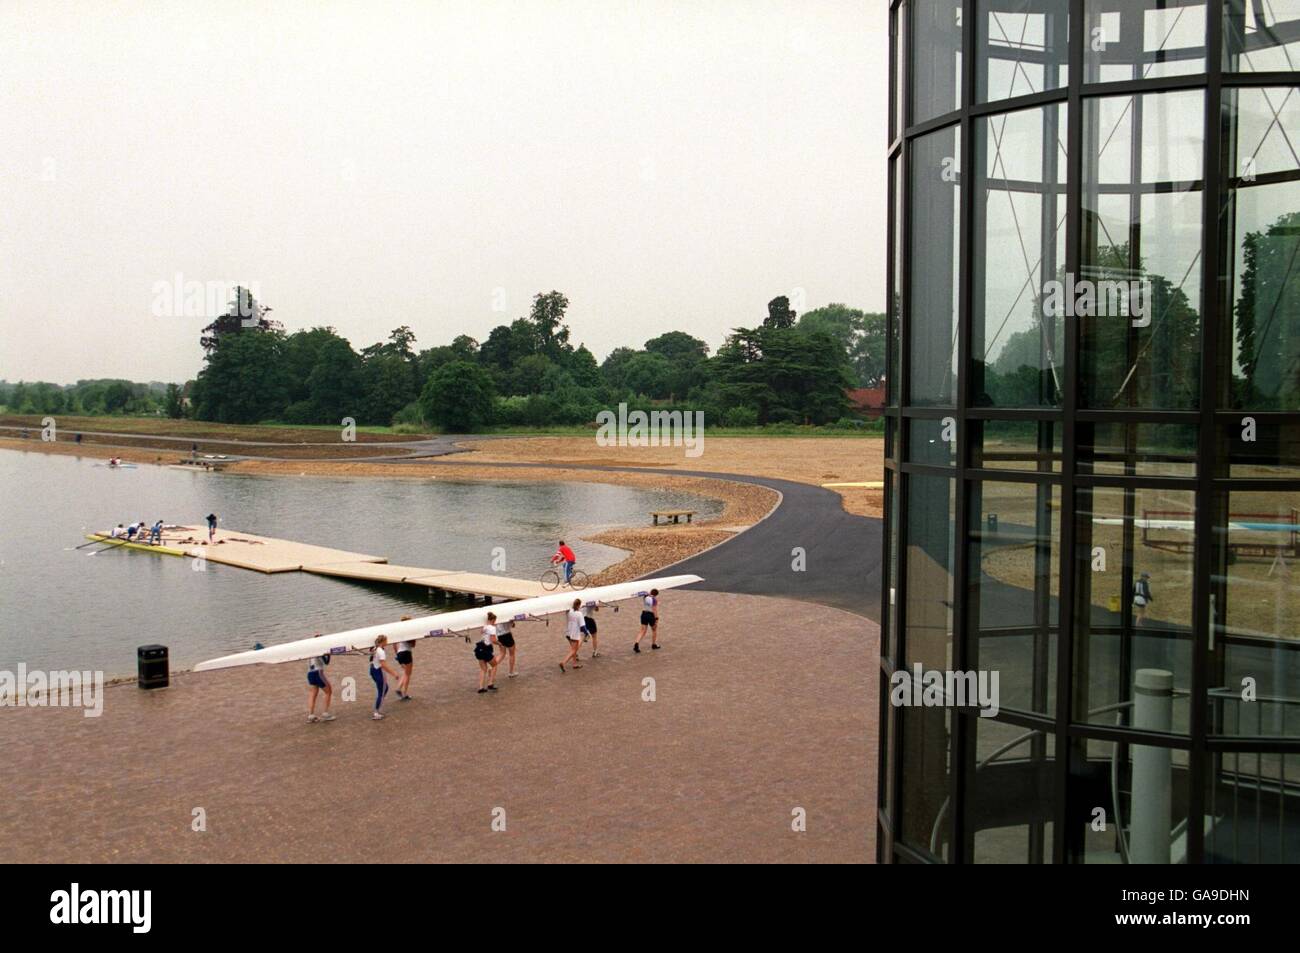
442,625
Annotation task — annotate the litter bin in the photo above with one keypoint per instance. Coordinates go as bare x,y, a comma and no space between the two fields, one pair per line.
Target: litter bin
151,666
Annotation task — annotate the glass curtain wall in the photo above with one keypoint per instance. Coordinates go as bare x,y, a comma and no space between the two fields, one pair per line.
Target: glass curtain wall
1090,646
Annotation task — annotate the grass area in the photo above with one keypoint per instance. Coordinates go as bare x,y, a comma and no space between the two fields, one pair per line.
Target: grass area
203,430
326,433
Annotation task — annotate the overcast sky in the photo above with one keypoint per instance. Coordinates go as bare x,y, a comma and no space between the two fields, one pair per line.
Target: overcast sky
366,165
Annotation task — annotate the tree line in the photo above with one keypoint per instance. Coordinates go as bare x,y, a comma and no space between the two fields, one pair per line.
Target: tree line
785,369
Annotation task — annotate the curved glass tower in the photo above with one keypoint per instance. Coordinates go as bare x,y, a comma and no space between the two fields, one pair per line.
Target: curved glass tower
1090,647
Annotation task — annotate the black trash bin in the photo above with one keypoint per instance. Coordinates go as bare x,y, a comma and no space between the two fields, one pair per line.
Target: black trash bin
151,666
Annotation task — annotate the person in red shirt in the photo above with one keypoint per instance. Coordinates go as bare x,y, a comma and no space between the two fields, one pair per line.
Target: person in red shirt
565,554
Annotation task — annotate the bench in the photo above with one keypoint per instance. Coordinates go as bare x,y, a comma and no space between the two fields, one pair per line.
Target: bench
674,515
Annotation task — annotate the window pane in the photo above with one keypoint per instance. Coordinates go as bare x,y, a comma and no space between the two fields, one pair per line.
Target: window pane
935,58
892,378
1011,795
935,198
1024,48
1137,298
1261,226
1142,449
931,535
1016,445
1015,565
1147,824
1255,659
1019,226
1252,815
1261,37
932,441
1259,448
1143,39
1134,607
896,117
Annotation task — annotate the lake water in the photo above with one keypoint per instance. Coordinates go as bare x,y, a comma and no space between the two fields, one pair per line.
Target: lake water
61,608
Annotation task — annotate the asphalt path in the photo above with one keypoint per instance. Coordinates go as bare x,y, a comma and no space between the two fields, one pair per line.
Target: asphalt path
808,548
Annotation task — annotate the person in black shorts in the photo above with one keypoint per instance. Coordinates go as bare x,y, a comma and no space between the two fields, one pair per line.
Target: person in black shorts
406,661
589,627
649,620
506,639
485,652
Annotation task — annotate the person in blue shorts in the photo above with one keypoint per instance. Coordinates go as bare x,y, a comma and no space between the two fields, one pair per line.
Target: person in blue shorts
318,682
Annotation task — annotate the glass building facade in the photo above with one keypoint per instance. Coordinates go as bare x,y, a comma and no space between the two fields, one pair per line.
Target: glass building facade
1092,484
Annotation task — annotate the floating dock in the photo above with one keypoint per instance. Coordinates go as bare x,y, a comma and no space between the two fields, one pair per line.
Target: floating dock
270,555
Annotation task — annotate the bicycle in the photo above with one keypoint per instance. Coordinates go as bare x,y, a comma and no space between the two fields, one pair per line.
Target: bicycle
553,579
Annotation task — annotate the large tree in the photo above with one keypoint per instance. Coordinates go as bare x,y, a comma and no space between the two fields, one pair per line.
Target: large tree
458,397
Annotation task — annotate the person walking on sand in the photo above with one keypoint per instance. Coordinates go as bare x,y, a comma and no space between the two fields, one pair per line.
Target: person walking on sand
212,526
318,682
379,670
573,632
589,630
406,660
506,639
1142,596
649,620
485,652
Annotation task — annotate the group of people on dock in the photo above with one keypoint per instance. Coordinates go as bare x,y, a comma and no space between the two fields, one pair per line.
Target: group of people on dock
141,532
136,532
494,647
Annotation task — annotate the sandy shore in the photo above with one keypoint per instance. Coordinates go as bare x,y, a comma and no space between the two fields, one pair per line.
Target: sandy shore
583,768
650,548
812,460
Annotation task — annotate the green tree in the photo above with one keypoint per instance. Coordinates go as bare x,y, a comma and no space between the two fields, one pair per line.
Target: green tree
244,313
244,380
458,397
779,315
1267,371
784,374
175,404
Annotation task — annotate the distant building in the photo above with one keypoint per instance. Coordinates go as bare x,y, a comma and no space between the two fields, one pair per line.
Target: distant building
866,402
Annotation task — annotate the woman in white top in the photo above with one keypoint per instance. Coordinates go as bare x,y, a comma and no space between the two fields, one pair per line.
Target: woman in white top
378,667
573,632
406,660
649,620
317,682
485,652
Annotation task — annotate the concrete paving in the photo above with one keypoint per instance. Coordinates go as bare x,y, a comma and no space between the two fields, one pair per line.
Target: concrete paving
763,711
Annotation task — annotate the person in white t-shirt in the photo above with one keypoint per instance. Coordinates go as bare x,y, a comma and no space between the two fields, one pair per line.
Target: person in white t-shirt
573,632
379,668
318,682
485,653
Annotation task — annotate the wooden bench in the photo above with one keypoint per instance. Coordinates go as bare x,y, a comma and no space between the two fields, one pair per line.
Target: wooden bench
674,515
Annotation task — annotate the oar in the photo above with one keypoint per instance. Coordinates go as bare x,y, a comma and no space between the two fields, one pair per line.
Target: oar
118,542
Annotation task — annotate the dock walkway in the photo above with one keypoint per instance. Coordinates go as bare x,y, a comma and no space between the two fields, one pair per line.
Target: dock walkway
270,555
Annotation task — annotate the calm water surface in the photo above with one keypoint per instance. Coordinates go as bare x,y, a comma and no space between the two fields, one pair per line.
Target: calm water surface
62,608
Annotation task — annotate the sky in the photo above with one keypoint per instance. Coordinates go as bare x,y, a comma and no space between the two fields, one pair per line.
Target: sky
364,165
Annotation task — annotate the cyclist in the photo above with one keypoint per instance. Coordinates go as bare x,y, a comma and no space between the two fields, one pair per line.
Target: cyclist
565,555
